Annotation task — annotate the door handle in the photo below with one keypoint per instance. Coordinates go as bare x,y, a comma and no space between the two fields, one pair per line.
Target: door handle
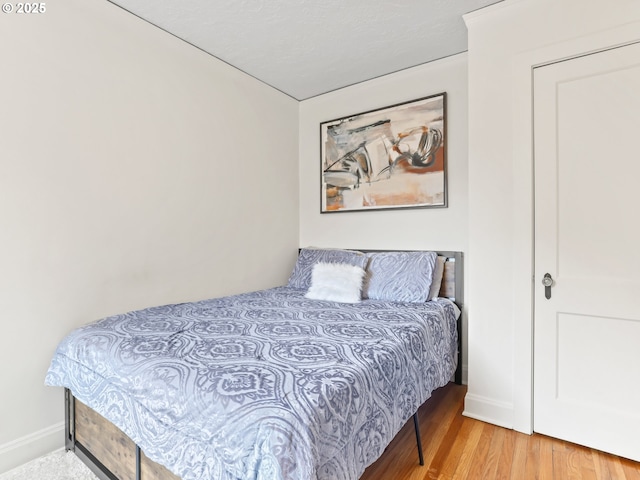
547,281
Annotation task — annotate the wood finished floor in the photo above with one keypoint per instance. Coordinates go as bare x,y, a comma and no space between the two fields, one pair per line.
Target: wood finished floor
457,447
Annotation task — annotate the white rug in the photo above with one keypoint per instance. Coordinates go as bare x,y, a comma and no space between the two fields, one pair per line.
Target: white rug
59,465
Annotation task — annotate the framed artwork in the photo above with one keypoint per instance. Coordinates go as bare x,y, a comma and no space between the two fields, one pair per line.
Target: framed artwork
393,157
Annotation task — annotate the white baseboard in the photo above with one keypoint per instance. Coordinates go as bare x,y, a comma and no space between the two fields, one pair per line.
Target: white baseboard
488,410
30,447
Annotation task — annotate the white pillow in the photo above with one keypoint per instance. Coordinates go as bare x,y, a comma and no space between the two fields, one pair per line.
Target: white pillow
438,272
336,282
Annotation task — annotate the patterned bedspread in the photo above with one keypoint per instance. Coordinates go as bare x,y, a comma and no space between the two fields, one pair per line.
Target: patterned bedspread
265,385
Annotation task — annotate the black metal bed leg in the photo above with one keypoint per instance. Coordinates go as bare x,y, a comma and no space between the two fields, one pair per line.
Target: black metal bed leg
69,421
138,470
416,423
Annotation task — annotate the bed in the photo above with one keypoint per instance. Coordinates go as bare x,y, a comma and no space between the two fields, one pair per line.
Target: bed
304,381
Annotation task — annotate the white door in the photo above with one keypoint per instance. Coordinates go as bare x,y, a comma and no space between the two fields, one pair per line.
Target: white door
587,237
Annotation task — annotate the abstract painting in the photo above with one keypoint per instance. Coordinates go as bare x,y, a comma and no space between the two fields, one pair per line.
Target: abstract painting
393,157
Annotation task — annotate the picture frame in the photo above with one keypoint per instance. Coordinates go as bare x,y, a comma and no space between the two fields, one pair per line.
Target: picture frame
389,158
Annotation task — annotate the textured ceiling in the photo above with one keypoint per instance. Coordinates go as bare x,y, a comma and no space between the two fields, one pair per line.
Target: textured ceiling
308,47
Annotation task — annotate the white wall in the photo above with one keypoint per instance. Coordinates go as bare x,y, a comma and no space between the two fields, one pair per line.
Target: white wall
134,170
431,228
505,42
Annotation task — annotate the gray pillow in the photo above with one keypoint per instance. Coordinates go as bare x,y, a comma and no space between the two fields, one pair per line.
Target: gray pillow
400,276
308,257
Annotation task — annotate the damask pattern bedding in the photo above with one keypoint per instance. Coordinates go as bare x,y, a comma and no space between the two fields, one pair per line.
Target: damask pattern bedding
264,385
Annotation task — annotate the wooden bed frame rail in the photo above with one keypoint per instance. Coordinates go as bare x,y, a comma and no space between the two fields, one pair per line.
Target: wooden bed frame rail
108,452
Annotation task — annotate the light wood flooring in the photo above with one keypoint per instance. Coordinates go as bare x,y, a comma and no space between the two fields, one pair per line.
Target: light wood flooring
457,447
